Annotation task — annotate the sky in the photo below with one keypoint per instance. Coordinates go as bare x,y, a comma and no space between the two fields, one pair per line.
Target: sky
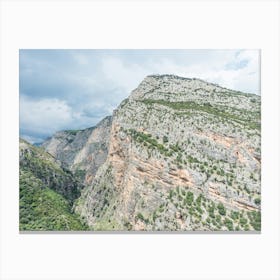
75,89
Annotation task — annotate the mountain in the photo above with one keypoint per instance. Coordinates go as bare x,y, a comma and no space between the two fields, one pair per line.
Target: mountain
183,154
81,151
47,192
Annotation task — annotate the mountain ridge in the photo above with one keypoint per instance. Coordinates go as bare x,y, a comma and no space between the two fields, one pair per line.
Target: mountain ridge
194,84
177,154
196,79
144,151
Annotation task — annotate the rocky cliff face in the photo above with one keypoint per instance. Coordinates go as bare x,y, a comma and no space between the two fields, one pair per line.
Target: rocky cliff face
183,154
82,151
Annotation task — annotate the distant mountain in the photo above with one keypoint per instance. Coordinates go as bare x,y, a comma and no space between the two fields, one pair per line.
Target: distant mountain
81,151
47,192
37,144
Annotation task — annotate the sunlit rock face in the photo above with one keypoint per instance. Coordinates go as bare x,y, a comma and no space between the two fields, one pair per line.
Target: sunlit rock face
178,154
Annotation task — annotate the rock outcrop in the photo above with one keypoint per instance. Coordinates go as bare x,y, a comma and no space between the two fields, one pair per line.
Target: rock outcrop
82,151
183,154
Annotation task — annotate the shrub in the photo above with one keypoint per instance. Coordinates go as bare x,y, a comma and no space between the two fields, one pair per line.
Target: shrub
170,194
228,224
154,216
140,216
255,220
198,200
247,190
234,215
246,227
198,208
257,201
211,210
189,198
221,209
191,211
243,221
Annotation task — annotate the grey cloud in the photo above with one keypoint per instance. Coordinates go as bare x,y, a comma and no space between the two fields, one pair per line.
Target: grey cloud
64,89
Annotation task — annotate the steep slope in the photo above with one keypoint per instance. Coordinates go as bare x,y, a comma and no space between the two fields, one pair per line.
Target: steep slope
184,154
82,151
47,192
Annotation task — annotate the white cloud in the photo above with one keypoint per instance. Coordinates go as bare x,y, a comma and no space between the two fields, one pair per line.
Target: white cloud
126,76
76,89
245,78
213,69
44,116
80,58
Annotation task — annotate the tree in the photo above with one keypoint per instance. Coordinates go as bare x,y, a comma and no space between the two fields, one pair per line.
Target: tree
257,201
221,209
189,198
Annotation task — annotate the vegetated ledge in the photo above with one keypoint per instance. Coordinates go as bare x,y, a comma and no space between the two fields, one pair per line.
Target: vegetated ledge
205,107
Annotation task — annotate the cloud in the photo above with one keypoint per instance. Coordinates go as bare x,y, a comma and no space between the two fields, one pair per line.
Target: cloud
229,68
80,59
121,74
32,139
45,116
64,89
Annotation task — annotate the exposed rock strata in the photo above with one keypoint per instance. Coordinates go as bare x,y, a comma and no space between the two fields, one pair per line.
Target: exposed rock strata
183,154
82,151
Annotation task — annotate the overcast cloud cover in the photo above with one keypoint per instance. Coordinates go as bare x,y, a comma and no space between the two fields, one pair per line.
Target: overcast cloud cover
75,89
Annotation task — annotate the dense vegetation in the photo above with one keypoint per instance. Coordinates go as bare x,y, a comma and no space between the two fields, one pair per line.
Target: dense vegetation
56,177
248,119
47,192
41,208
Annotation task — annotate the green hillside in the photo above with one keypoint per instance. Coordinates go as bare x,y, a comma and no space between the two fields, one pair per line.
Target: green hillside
41,207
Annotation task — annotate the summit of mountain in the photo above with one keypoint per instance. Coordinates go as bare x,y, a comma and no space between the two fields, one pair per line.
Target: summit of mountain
181,154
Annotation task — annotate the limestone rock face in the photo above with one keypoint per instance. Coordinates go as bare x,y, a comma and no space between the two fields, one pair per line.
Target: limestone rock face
183,154
82,151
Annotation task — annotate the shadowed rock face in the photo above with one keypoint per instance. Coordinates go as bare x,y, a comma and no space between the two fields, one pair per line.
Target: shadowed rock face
183,154
82,151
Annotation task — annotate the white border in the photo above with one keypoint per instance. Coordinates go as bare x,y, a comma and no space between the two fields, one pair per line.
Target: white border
157,24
